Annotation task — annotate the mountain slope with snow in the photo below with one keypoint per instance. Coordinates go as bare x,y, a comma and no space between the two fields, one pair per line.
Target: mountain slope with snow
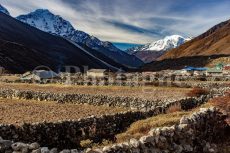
23,48
55,24
4,10
152,51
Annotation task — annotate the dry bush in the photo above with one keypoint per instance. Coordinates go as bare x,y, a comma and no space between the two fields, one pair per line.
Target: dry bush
223,103
174,108
86,143
196,92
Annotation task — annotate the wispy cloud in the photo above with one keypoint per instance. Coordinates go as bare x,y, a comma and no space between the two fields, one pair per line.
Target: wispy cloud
132,21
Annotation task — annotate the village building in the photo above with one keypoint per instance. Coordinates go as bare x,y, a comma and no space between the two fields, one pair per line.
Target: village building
215,71
39,75
196,71
97,73
191,71
182,72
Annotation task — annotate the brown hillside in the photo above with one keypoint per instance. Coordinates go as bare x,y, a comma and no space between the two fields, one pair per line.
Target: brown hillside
215,41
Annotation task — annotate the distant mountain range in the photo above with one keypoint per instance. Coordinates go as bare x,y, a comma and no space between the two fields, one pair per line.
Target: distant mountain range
23,48
152,51
55,24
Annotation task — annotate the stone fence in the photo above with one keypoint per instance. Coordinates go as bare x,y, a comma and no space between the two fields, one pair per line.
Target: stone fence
69,134
197,133
132,103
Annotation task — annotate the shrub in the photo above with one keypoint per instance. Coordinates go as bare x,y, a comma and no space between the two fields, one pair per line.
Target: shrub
196,92
174,108
223,103
86,143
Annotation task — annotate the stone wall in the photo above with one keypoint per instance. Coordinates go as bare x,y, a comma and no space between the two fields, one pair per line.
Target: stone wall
114,101
69,133
195,134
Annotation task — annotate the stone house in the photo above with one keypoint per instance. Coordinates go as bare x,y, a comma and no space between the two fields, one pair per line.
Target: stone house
215,71
97,73
196,71
39,75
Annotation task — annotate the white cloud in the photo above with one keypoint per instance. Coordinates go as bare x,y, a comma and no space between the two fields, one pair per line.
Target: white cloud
89,16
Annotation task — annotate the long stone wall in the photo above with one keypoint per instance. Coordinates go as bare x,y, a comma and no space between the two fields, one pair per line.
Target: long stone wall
196,134
70,133
114,101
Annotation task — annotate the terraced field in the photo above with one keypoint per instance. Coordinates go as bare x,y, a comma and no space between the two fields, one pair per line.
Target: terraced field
151,93
19,111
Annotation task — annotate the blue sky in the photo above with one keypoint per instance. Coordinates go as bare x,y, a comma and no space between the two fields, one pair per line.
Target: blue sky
132,21
125,46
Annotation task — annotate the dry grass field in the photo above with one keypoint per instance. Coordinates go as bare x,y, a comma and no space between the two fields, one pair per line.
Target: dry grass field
19,111
139,92
142,127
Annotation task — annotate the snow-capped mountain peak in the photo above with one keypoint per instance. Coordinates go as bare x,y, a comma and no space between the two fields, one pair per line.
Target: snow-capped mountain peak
169,42
4,10
48,22
44,20
152,51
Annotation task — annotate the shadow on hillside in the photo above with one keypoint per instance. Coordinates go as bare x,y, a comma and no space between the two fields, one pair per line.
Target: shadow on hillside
180,63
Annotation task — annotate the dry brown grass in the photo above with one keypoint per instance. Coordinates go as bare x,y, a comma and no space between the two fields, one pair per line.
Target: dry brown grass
19,111
139,92
9,78
196,92
223,103
142,127
174,108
